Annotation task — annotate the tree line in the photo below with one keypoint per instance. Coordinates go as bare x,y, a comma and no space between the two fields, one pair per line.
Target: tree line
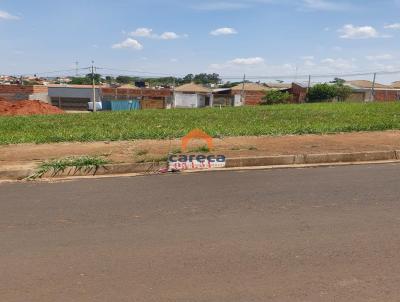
201,78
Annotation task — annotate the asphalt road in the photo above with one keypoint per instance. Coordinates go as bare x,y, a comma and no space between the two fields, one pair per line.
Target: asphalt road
323,234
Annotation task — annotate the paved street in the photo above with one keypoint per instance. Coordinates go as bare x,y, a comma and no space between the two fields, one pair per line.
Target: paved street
323,234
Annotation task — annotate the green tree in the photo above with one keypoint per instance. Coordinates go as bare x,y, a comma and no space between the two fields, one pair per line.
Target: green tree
322,93
188,79
338,81
109,80
126,79
96,76
204,78
273,97
343,92
80,81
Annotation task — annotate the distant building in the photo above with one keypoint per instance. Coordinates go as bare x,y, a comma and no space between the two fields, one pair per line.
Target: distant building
367,91
280,86
395,85
299,92
73,97
249,93
192,96
222,97
77,97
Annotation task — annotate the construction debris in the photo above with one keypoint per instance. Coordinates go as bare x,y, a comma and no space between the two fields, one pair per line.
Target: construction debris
26,107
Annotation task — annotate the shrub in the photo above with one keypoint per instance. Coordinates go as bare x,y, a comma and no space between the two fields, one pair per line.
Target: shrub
276,97
343,92
322,93
327,92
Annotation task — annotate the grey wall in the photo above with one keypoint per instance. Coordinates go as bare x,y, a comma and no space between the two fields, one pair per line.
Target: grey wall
69,92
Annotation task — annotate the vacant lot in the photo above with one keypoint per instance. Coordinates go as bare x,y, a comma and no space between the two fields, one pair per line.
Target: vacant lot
164,124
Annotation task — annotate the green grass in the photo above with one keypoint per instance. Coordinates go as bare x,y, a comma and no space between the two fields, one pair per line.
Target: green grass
164,124
83,163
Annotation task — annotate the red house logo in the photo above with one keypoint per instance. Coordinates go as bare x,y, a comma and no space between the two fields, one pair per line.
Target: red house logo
197,134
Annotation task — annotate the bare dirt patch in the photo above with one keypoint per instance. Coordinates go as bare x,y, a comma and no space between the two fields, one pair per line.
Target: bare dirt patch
156,150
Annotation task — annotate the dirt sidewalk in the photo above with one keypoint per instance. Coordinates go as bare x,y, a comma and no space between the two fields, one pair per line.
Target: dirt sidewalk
148,150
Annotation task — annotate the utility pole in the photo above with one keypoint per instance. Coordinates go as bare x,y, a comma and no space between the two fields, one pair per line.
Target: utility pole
242,96
76,68
373,87
173,92
308,86
94,89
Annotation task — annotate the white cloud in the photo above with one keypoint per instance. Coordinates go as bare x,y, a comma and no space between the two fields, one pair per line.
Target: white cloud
380,57
350,31
239,64
145,32
325,5
393,26
142,32
247,61
339,63
169,35
7,16
128,43
223,31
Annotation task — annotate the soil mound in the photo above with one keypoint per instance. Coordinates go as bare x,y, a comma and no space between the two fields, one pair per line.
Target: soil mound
27,107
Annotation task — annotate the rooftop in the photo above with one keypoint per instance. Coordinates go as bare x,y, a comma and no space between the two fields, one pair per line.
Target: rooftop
192,87
250,87
365,84
279,85
396,84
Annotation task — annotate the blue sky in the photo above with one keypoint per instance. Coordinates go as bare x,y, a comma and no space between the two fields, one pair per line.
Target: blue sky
230,37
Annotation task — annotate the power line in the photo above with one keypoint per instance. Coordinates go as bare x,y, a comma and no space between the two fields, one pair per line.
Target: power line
227,77
143,72
59,71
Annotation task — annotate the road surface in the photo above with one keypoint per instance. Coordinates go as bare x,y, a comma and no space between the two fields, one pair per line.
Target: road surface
322,234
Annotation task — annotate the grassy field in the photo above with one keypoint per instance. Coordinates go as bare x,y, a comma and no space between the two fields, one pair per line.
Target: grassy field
163,124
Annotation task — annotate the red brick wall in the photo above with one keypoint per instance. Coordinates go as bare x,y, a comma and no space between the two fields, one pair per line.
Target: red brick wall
253,98
152,104
299,93
13,89
387,95
21,92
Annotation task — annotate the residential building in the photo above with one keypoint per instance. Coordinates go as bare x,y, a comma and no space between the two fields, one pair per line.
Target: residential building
249,94
192,96
367,91
73,97
77,97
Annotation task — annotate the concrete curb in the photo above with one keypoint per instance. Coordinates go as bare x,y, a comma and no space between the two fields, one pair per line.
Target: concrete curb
263,161
305,159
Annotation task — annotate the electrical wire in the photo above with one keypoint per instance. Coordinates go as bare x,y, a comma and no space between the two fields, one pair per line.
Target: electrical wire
227,77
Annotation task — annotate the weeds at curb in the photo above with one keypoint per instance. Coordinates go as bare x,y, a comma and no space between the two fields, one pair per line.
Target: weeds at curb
84,163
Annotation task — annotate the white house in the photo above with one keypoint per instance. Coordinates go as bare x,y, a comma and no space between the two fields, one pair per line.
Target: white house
192,96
